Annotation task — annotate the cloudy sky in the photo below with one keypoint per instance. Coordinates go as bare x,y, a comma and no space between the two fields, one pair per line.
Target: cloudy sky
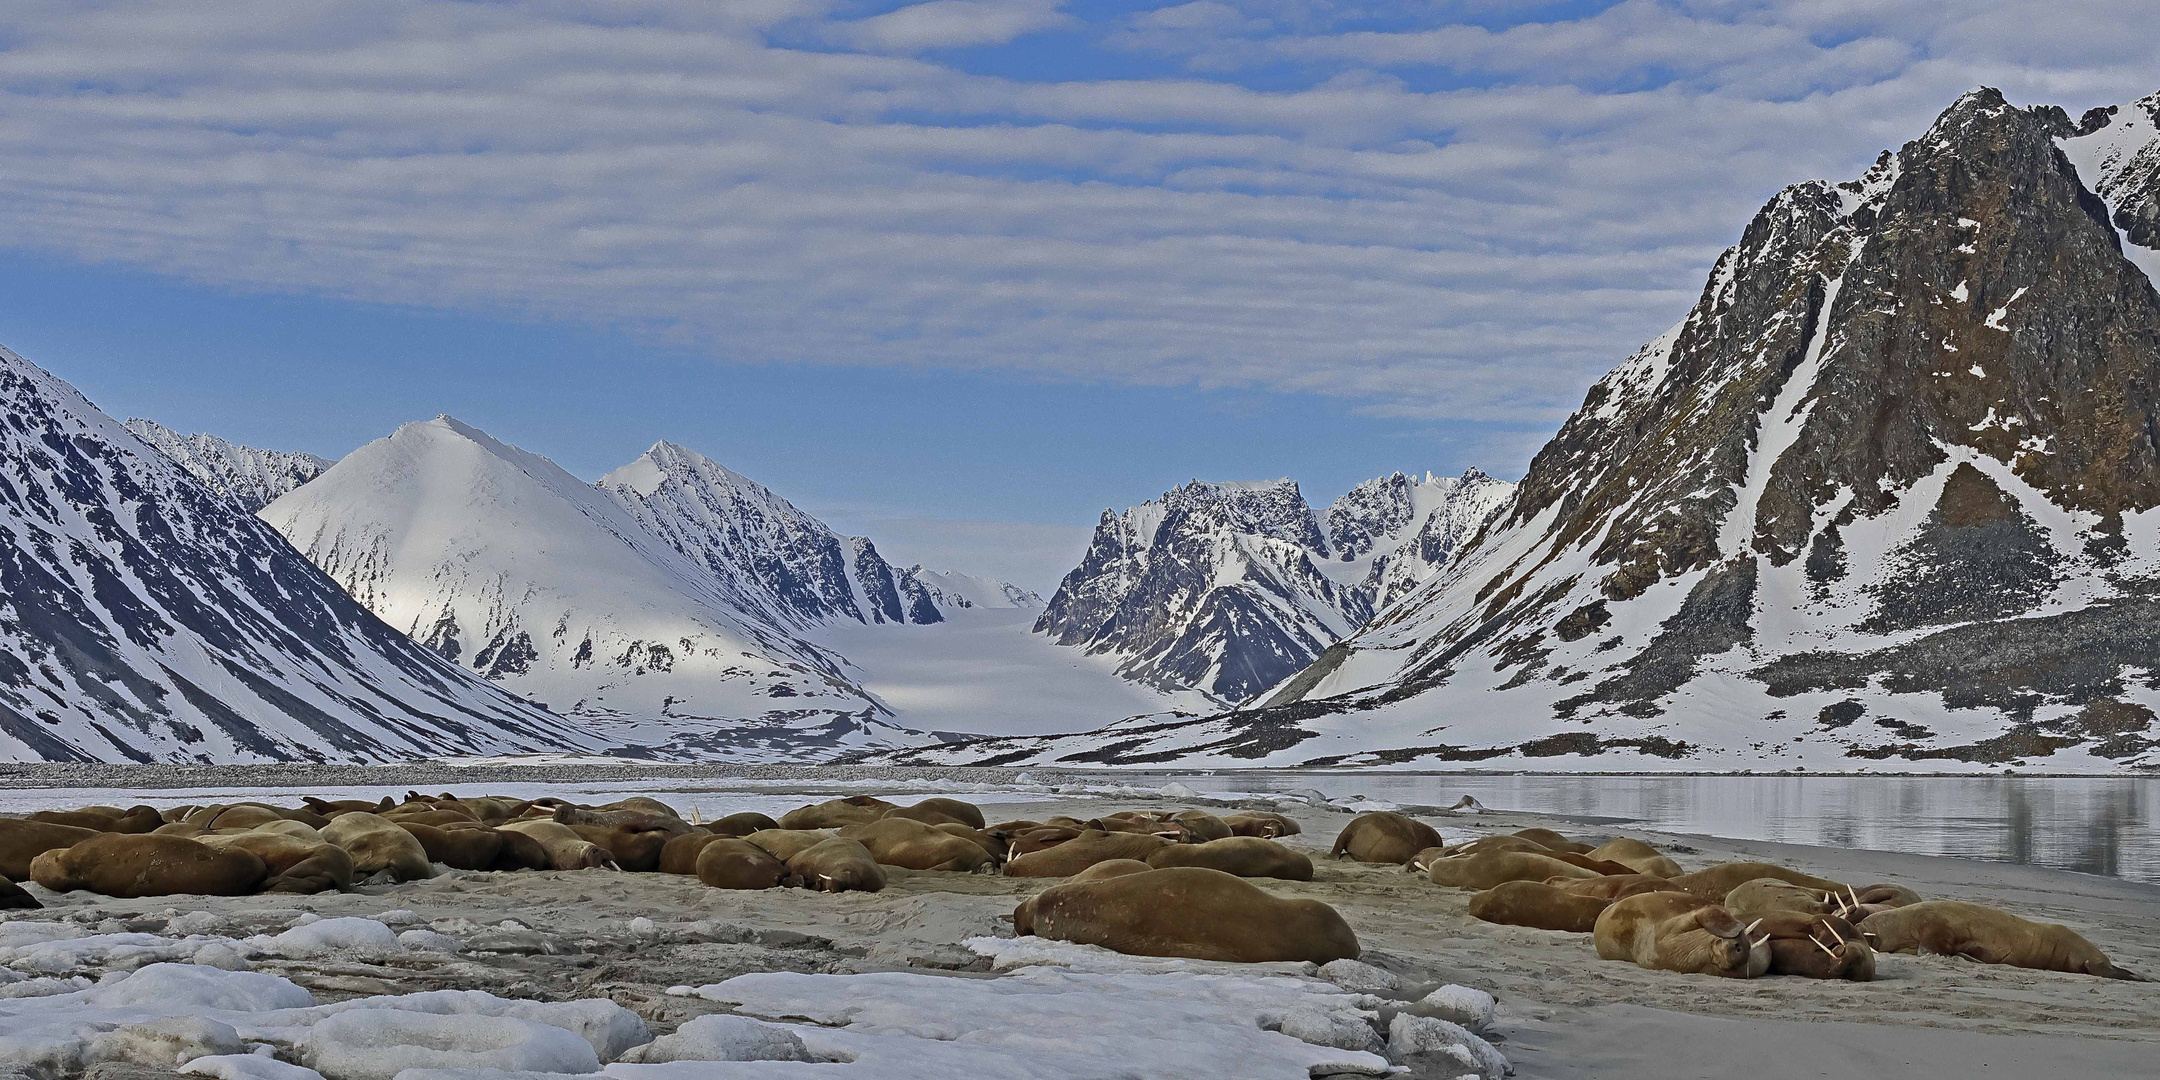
961,272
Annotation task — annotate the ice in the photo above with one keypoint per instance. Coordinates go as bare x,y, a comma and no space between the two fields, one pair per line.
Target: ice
1007,954
430,941
1356,975
170,1040
247,1067
607,1029
331,935
377,1044
722,1038
1472,1008
175,989
1409,1034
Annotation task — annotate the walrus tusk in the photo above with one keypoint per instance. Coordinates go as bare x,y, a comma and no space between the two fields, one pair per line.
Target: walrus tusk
1825,948
1759,944
1833,933
612,865
1855,898
695,817
1751,926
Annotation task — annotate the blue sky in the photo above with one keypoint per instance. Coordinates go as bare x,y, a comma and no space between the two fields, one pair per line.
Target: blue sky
959,273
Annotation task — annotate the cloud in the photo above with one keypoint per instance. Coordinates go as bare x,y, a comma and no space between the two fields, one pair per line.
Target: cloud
1461,211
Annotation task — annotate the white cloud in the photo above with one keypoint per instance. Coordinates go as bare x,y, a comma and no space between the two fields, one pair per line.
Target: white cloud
946,24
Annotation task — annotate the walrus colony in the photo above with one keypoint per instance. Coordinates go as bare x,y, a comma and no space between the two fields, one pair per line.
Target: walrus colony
1138,882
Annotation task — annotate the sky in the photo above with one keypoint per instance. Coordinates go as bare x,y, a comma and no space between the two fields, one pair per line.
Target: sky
959,274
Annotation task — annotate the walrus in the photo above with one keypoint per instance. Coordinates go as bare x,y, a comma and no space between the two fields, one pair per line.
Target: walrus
13,896
1814,946
912,845
681,853
436,818
1499,843
22,840
289,827
742,824
471,848
1762,896
1244,856
1261,823
834,813
521,852
785,844
138,819
1715,882
1955,928
939,812
836,864
1138,825
1485,870
180,828
1200,826
1643,858
631,820
1613,886
1083,851
244,816
1555,841
1112,868
376,844
566,850
1384,837
636,850
1601,866
997,844
293,864
129,865
726,862
327,807
1039,838
1536,904
643,804
1666,931
1187,911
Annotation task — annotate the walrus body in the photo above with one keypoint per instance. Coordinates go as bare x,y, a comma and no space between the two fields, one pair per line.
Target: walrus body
293,864
1244,856
785,844
837,864
1643,858
1714,883
912,845
997,844
131,865
15,897
520,852
1187,911
1384,837
1614,886
681,853
1487,869
1200,826
636,850
730,863
1040,838
1485,844
1534,903
1750,900
473,847
1260,823
1814,946
1952,928
1083,851
1112,868
1666,931
836,813
22,841
376,844
1555,841
742,824
566,850
940,812
138,819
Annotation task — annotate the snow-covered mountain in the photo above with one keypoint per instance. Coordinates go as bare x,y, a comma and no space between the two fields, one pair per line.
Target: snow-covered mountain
1231,588
1886,497
145,617
251,478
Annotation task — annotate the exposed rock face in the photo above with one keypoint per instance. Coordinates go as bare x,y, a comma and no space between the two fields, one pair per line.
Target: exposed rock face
145,617
1231,588
1900,462
251,478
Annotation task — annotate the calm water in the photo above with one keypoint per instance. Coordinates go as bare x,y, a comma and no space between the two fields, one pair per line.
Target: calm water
2094,826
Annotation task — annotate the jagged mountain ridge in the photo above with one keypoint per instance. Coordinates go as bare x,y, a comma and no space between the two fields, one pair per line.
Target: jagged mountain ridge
144,617
250,477
1886,495
1231,588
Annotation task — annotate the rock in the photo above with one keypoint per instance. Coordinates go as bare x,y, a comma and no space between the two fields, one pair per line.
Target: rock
1410,1035
430,941
1470,1007
1360,976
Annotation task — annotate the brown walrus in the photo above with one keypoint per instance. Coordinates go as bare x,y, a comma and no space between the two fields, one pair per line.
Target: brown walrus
1499,843
727,862
138,819
1602,866
566,850
1200,826
376,844
996,843
1666,931
1265,824
742,824
1083,851
834,813
1138,824
1751,899
636,850
1244,856
1384,837
1536,904
1715,882
1112,868
1487,869
1814,946
1039,838
940,812
473,847
785,844
1614,886
294,864
1187,911
327,807
521,852
22,841
1628,851
1954,928
244,816
1555,841
681,853
912,845
130,865
836,864
627,820
180,828
13,896
645,804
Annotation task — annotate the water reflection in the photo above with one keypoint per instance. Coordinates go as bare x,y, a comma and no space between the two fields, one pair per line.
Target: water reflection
2098,825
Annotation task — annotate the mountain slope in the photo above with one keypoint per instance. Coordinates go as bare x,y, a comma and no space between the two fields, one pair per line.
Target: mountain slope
251,478
501,562
144,617
1231,588
1886,495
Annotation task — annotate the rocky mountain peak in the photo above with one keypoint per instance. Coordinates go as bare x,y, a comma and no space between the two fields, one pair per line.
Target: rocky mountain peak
249,477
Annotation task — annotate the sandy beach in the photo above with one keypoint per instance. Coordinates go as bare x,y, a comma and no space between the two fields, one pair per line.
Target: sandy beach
1562,1011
